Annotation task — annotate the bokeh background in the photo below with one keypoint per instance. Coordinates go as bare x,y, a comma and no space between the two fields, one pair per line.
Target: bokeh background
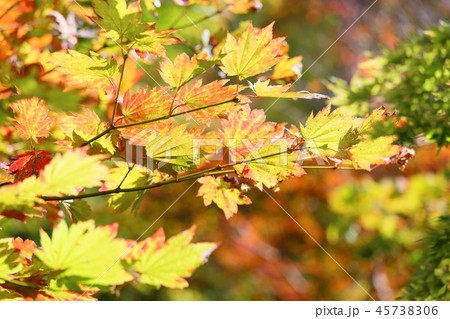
370,223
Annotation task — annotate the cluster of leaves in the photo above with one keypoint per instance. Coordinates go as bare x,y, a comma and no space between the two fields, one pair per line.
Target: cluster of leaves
431,280
229,145
69,267
413,79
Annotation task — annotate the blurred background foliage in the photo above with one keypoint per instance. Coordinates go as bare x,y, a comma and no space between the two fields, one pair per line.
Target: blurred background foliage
380,227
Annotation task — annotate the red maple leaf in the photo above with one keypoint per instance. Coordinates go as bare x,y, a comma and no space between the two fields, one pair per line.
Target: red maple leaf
28,163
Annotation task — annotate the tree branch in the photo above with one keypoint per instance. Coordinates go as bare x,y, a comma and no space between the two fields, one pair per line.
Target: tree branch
109,129
217,170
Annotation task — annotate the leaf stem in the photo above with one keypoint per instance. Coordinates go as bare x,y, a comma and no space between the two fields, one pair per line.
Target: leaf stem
193,23
130,168
125,57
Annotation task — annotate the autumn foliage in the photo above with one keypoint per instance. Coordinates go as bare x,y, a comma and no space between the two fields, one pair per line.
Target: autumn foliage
88,128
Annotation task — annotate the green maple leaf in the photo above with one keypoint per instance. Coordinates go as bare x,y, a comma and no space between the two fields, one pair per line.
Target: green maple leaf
82,253
138,176
373,151
78,209
270,165
118,19
72,170
254,52
9,260
122,23
326,133
94,71
21,196
168,265
173,146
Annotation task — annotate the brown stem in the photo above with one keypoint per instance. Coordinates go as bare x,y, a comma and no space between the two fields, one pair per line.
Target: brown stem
125,57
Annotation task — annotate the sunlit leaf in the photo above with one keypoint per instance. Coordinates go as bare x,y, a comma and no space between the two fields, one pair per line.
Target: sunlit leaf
94,71
73,170
32,118
373,151
221,192
81,127
181,70
169,265
132,176
70,251
254,52
288,69
29,163
269,165
197,95
263,89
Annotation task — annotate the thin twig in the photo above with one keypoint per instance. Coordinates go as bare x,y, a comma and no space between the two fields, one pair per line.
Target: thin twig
109,129
190,24
125,57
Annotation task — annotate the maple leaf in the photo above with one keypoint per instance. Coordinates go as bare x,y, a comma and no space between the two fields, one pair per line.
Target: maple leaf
173,146
246,130
288,69
93,72
21,196
367,126
32,118
170,264
70,252
197,95
182,70
373,151
145,104
57,291
118,19
29,163
81,127
5,177
253,53
78,209
325,133
9,260
263,89
123,22
269,165
73,170
153,42
135,177
221,192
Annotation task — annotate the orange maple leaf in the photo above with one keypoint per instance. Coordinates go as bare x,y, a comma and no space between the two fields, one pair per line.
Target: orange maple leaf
32,118
197,95
244,131
181,70
222,193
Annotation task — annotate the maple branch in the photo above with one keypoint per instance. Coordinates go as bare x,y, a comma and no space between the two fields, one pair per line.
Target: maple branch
134,189
109,129
217,170
236,100
193,23
125,57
